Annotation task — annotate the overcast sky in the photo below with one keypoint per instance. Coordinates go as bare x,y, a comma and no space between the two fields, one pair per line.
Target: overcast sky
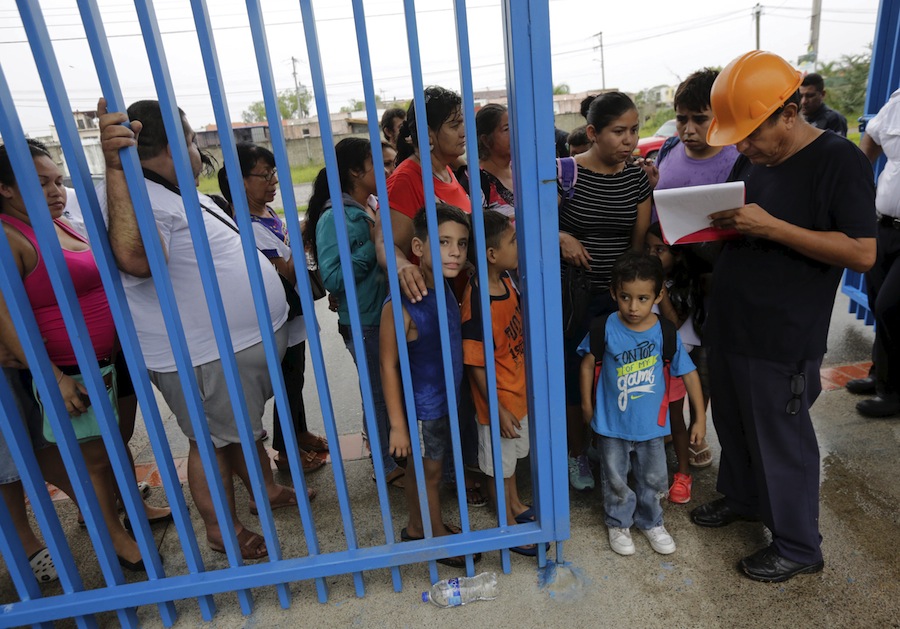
646,43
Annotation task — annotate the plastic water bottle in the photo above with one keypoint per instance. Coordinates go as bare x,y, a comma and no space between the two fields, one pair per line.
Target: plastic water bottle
462,590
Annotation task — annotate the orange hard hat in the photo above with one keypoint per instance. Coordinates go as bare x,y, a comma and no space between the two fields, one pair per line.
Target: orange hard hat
746,93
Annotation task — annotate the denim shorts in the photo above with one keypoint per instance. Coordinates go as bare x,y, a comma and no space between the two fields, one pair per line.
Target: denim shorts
434,438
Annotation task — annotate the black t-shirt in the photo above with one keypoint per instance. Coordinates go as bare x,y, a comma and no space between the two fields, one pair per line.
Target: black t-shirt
829,120
769,301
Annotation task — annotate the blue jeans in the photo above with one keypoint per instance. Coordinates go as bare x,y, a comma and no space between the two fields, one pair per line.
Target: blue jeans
370,340
624,506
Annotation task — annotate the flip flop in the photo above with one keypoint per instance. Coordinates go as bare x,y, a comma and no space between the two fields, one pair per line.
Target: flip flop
159,520
524,550
526,517
459,561
527,552
285,498
406,537
42,566
249,543
693,455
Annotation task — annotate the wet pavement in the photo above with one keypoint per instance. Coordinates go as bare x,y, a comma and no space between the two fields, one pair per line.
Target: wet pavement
697,586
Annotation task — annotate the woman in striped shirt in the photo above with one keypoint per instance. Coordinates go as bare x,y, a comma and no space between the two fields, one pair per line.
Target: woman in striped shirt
607,215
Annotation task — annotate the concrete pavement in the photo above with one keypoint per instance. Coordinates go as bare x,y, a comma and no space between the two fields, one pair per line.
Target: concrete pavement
698,586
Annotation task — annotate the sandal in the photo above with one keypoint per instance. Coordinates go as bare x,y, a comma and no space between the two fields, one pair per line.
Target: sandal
406,537
459,561
701,457
474,497
526,517
395,478
285,498
250,544
528,550
42,566
309,461
143,488
314,443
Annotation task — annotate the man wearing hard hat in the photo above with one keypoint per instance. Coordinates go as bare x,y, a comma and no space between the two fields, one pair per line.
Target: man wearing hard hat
810,213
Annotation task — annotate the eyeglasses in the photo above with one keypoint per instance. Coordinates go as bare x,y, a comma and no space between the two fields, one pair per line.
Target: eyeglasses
798,386
269,176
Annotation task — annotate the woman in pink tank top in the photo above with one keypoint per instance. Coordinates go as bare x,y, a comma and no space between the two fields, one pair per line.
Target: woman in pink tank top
92,299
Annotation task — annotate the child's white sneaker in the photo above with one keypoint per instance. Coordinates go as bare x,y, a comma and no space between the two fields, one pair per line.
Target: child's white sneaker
620,541
659,539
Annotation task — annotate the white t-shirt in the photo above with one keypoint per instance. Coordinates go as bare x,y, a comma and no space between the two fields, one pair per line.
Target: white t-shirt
72,213
231,272
266,240
884,128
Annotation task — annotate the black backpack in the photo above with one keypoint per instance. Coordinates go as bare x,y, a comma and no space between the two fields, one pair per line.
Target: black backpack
670,346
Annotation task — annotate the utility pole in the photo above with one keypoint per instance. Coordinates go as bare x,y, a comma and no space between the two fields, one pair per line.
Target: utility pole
602,64
757,11
296,85
813,52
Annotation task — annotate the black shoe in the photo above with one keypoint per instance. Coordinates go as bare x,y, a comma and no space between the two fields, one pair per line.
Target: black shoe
862,386
717,513
163,518
768,566
880,406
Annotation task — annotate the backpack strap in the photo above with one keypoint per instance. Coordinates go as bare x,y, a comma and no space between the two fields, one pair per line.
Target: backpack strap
567,175
670,340
598,337
667,146
670,346
598,346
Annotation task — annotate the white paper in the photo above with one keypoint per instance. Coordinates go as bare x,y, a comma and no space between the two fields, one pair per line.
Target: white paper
683,211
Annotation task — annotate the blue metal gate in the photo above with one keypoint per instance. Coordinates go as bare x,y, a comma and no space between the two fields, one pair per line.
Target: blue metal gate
526,36
884,79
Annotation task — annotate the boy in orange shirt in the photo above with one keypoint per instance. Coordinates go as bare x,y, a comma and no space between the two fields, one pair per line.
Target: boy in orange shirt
509,360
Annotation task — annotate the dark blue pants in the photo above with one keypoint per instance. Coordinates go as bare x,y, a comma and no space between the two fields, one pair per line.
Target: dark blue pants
770,458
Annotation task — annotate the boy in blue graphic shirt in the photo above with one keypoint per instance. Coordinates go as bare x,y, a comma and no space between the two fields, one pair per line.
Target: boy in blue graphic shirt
630,416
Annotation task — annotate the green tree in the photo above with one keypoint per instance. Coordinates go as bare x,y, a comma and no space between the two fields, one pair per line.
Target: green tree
562,88
846,82
290,104
360,105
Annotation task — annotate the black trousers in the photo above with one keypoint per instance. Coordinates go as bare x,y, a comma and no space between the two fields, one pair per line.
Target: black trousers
770,458
293,367
883,285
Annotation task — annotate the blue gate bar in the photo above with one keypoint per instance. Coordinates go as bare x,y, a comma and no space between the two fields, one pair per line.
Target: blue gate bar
259,575
337,204
362,39
340,476
17,561
884,79
531,117
36,353
305,291
48,70
242,215
440,292
174,131
527,53
487,330
158,265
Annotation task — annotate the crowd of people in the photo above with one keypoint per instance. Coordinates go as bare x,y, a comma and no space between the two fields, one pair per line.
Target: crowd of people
737,323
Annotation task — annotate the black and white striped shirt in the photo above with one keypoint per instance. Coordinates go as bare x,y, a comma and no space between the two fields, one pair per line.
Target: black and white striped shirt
601,215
